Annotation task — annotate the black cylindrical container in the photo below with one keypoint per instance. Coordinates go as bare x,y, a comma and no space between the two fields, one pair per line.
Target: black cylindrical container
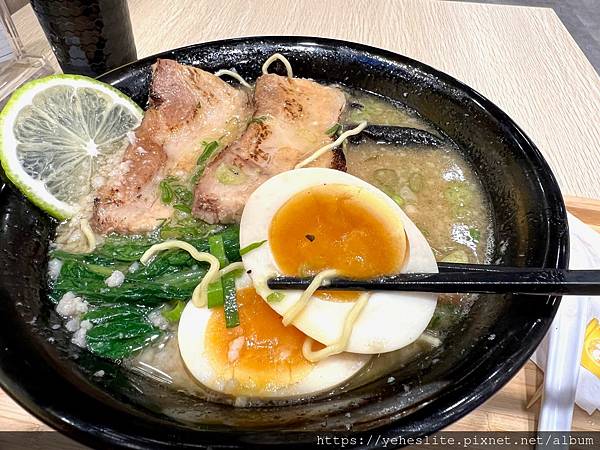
88,37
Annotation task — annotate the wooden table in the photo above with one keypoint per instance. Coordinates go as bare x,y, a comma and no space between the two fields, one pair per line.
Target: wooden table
521,58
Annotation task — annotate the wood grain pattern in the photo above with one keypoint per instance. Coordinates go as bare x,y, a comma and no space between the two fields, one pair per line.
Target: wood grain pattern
523,59
585,209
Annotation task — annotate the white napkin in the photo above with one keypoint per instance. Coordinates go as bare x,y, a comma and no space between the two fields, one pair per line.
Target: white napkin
568,330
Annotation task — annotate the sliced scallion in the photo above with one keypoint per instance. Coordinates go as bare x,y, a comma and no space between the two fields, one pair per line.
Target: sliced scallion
332,131
174,314
183,208
259,119
275,297
416,182
166,192
215,294
229,174
250,247
210,149
217,249
399,200
475,234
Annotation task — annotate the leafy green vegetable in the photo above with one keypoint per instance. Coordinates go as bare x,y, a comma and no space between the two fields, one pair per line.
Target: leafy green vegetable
121,348
173,284
248,248
174,314
275,297
111,313
119,330
333,130
172,275
120,314
123,248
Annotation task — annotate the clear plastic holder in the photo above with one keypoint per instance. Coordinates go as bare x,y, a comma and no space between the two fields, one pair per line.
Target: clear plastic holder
16,66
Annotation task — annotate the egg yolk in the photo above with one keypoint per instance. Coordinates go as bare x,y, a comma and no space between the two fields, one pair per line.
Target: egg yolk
337,227
261,354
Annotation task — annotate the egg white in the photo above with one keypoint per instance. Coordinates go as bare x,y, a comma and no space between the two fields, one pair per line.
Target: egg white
390,320
191,337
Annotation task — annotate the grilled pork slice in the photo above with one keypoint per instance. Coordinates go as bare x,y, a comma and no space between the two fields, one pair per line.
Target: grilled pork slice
187,106
289,124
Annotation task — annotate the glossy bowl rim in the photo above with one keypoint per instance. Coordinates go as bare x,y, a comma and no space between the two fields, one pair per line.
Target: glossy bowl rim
451,406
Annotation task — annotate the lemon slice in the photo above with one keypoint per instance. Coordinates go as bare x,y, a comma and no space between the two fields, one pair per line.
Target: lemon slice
54,134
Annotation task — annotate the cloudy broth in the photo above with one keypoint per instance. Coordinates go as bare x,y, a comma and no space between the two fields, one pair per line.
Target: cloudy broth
437,189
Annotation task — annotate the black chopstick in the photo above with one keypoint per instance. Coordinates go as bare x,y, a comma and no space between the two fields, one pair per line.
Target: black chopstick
468,278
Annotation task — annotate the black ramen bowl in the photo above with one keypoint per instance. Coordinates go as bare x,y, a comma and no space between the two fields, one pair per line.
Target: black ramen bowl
54,380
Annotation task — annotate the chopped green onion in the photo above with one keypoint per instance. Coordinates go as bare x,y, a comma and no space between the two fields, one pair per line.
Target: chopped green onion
184,196
333,130
387,178
229,174
217,249
275,297
399,200
215,294
210,148
459,194
166,192
173,314
475,234
416,182
230,306
171,190
183,208
250,247
260,119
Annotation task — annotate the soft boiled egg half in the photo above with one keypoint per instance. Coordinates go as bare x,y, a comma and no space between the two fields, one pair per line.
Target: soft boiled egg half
314,219
306,221
260,357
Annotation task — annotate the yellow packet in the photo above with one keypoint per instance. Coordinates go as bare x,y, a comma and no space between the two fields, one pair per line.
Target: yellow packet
590,359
